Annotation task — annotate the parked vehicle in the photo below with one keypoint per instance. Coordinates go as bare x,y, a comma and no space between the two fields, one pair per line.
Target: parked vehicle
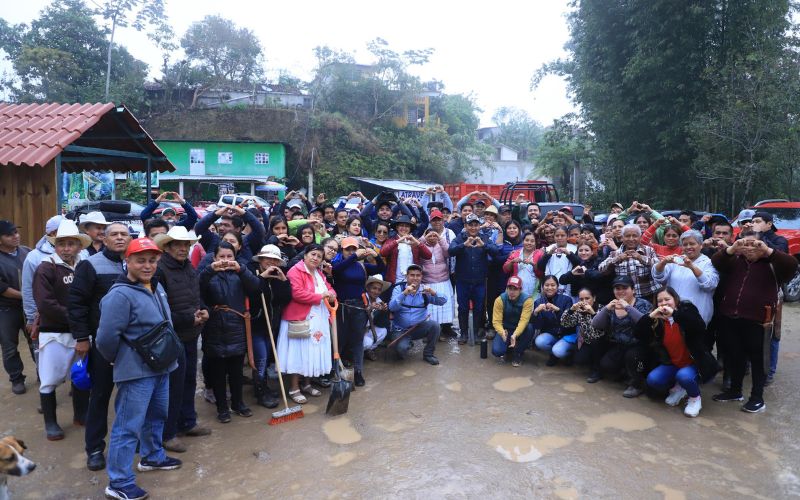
242,199
577,209
540,191
124,211
786,216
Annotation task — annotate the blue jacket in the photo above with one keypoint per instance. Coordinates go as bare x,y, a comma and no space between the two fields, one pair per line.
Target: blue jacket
410,309
472,263
130,310
550,321
252,243
188,220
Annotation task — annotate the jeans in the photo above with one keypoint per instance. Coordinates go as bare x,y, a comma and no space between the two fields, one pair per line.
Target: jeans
476,292
141,407
12,321
224,372
351,323
177,377
102,375
499,347
545,341
428,329
663,377
261,349
774,348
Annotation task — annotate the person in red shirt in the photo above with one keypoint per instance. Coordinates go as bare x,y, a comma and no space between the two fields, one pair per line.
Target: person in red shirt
675,330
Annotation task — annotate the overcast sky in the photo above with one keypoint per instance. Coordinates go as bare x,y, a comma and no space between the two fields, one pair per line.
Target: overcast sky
487,49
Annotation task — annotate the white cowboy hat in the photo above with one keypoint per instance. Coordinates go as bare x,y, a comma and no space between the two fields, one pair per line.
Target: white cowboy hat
93,218
68,229
269,251
175,233
378,278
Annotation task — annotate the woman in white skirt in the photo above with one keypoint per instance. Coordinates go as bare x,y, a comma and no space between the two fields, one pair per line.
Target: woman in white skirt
51,284
304,341
436,275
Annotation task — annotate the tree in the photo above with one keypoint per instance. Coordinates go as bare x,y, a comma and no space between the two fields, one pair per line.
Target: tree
519,131
223,53
567,154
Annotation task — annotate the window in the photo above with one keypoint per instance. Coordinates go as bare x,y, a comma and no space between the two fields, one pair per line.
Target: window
225,158
262,159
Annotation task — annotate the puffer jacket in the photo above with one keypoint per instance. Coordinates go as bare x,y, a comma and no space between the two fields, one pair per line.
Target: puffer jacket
93,278
224,332
183,293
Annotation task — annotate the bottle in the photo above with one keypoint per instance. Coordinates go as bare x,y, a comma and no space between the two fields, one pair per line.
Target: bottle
484,349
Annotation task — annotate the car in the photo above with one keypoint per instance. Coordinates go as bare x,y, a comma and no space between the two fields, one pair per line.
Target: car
124,211
675,213
242,199
786,216
577,209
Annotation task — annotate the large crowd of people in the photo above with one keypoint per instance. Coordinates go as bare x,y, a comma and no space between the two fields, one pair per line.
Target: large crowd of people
658,304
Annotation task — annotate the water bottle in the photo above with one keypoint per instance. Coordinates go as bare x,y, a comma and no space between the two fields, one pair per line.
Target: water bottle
484,349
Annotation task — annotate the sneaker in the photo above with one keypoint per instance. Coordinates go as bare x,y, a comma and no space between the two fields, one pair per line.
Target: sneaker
693,407
131,492
431,359
243,411
632,392
175,445
675,396
168,463
96,461
754,406
594,377
372,355
18,388
196,431
208,395
224,417
516,363
724,397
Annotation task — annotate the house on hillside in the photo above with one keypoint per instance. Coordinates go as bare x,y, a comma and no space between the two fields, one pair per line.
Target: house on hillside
505,167
262,94
207,169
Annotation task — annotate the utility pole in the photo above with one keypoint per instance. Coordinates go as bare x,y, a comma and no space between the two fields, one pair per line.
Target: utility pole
311,177
108,62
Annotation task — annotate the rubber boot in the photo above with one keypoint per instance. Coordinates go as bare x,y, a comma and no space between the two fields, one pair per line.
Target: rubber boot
80,405
53,431
463,324
263,397
477,326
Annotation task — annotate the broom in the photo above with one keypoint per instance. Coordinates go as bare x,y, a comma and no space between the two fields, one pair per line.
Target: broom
287,413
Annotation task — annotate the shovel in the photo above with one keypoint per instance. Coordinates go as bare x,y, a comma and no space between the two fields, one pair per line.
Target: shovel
340,386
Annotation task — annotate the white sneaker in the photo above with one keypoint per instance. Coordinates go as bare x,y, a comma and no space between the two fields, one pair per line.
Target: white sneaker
693,407
675,396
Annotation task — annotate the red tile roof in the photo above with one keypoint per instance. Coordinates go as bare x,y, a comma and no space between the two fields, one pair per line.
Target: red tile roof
33,134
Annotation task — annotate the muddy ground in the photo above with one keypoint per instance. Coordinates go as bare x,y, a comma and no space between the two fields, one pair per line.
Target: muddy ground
469,428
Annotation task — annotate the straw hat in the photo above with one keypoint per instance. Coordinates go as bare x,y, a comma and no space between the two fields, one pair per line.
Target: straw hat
93,218
378,278
269,252
68,229
176,233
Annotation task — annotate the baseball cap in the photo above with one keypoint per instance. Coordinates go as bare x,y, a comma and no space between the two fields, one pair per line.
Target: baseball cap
436,214
349,242
566,208
617,205
7,228
765,216
622,281
168,210
473,218
514,282
140,245
505,208
479,201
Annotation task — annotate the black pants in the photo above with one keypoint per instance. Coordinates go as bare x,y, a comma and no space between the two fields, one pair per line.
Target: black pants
12,320
102,375
633,358
224,372
591,354
351,323
744,341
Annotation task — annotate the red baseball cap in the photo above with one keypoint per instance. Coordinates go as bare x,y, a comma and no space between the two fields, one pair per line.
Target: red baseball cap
436,214
141,245
567,209
515,282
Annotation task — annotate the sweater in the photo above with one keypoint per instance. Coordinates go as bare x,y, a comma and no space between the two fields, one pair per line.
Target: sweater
512,319
620,330
51,284
437,268
350,275
698,290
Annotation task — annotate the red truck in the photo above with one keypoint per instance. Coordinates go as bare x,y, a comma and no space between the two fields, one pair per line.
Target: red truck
540,191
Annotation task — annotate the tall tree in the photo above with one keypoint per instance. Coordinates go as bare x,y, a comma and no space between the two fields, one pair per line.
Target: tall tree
518,130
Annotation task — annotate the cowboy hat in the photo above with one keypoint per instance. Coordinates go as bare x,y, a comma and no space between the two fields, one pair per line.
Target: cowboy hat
68,229
93,218
404,219
175,233
378,278
268,252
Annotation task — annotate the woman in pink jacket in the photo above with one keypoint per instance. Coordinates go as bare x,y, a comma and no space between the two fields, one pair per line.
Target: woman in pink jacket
304,342
436,275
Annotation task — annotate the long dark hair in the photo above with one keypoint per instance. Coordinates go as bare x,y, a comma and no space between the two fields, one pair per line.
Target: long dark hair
224,245
520,236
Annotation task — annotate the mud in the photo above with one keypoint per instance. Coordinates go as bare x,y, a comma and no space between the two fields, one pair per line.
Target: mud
468,428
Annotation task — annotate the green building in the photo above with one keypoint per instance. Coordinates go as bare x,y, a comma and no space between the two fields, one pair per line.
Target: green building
205,170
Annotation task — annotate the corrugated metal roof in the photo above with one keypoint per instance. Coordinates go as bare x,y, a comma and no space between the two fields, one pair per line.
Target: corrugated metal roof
396,184
33,134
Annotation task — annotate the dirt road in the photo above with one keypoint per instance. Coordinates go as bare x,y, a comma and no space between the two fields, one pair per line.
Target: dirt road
468,428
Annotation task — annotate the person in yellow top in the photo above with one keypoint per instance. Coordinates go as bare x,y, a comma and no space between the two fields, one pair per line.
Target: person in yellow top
511,320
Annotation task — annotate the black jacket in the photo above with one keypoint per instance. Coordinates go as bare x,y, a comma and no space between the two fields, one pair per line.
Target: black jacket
182,286
594,280
224,332
93,278
277,294
651,332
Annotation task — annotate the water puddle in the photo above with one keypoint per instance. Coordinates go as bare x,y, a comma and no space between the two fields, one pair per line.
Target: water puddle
409,373
572,387
511,384
522,449
342,458
341,431
455,387
310,409
625,421
566,493
670,493
394,426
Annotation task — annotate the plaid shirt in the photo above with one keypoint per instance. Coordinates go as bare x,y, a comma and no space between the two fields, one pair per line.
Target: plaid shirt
639,272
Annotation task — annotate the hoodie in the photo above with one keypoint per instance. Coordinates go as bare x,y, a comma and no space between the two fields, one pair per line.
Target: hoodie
42,251
131,310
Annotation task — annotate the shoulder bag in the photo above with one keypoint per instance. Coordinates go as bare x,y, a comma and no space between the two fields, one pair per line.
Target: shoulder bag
160,346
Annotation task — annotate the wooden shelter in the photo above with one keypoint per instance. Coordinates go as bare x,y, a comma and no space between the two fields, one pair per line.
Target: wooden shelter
40,141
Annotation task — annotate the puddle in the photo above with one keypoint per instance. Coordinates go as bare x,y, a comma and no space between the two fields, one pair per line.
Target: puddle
310,409
394,427
340,431
455,387
566,493
409,373
572,387
342,458
511,384
670,493
524,449
625,421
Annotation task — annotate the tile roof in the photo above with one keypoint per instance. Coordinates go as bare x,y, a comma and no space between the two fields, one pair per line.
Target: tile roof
33,134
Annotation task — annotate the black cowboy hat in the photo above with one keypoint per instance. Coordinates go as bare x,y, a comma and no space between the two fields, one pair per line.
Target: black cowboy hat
404,219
